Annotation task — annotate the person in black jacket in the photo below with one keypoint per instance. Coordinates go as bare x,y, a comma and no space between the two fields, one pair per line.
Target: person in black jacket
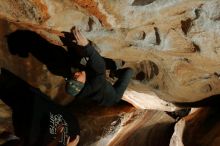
89,83
36,119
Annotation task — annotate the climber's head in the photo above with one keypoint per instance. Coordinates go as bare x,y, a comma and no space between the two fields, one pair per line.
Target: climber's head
80,76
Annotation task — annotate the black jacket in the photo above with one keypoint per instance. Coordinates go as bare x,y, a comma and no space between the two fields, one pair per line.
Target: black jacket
96,87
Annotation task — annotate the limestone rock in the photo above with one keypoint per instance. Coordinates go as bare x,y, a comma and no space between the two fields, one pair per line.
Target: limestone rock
174,34
199,128
173,47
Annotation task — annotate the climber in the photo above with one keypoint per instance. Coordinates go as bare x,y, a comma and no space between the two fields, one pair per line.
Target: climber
89,82
36,119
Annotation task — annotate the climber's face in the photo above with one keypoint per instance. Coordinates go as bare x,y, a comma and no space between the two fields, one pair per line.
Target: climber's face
80,76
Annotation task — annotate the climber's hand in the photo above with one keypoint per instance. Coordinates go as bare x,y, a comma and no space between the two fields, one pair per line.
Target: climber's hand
81,40
59,130
73,142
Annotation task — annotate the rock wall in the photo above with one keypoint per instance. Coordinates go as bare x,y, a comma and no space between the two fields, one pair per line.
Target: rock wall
117,125
173,46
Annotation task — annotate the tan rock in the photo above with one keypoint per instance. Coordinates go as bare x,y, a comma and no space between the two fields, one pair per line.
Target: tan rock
173,46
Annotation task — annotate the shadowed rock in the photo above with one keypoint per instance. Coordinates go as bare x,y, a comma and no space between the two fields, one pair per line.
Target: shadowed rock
142,2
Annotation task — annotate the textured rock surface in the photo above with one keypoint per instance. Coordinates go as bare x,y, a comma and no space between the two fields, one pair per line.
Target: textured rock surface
201,128
176,43
173,46
99,125
123,125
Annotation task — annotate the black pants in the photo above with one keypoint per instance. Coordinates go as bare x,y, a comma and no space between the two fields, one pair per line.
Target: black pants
124,76
109,64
